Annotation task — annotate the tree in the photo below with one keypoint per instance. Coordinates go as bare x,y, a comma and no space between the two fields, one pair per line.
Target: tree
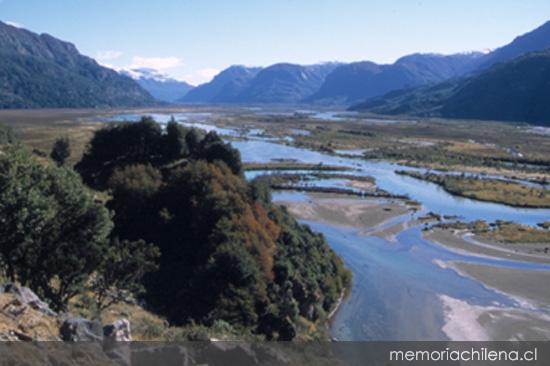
6,135
61,151
175,144
53,234
118,146
122,270
213,148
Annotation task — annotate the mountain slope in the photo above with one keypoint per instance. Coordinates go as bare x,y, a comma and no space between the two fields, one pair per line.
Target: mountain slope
518,90
279,83
536,40
285,83
158,85
361,80
224,88
42,71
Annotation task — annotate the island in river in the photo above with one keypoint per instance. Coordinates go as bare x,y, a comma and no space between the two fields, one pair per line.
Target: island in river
408,283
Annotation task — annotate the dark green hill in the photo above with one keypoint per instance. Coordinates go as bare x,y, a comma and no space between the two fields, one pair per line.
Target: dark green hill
518,90
42,71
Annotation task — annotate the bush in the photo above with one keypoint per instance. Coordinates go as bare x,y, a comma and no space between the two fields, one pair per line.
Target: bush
53,234
61,151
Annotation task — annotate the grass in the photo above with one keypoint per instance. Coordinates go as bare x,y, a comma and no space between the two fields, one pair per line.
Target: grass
503,232
489,190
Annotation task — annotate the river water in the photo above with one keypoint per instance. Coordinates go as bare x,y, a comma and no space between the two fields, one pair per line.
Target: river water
397,284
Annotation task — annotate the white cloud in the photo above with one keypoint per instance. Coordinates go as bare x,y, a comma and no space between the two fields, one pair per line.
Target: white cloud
107,55
14,24
157,63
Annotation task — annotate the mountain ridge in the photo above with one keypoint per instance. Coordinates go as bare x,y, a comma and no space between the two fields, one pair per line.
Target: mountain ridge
512,91
38,71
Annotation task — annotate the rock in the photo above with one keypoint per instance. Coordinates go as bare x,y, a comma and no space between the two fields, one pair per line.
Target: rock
27,297
118,331
79,329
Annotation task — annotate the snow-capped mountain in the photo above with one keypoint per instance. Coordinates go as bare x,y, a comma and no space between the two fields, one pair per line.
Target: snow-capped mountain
160,86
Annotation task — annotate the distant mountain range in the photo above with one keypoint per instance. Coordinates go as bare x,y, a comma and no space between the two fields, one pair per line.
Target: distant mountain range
517,90
42,71
224,88
346,84
279,83
505,87
536,40
160,86
329,83
357,81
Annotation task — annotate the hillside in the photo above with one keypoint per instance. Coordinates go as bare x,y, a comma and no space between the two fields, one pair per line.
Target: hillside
224,88
361,80
536,40
279,83
285,83
41,71
160,86
514,91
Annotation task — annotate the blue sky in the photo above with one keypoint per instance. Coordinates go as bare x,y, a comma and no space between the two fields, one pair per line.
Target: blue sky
194,39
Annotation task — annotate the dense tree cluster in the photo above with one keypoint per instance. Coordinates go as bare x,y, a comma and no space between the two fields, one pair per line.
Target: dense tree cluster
145,142
219,252
227,253
53,234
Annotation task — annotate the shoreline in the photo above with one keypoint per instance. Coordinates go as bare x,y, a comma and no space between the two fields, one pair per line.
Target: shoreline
456,241
529,319
366,214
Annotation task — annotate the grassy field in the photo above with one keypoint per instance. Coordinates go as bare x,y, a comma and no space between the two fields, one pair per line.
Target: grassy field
503,232
490,190
491,147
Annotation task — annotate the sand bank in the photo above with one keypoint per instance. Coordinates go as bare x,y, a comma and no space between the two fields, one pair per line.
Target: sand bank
360,213
457,242
467,322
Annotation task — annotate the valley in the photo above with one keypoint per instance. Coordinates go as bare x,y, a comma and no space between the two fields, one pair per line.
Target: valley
404,265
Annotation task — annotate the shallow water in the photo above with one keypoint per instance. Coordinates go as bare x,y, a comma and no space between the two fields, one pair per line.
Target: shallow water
432,197
396,286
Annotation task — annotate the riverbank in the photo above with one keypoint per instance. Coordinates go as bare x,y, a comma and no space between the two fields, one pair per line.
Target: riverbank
467,322
359,213
487,190
458,241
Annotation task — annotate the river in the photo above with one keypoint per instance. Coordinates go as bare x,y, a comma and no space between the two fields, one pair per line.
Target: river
397,285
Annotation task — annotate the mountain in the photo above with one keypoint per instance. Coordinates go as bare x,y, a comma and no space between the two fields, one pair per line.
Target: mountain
224,88
279,83
160,86
517,90
361,80
536,40
286,83
42,71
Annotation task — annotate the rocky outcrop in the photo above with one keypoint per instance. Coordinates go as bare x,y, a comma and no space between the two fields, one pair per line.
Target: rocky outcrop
25,296
80,329
119,331
24,317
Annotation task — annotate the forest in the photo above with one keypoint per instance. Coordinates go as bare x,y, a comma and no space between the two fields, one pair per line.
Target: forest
163,216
